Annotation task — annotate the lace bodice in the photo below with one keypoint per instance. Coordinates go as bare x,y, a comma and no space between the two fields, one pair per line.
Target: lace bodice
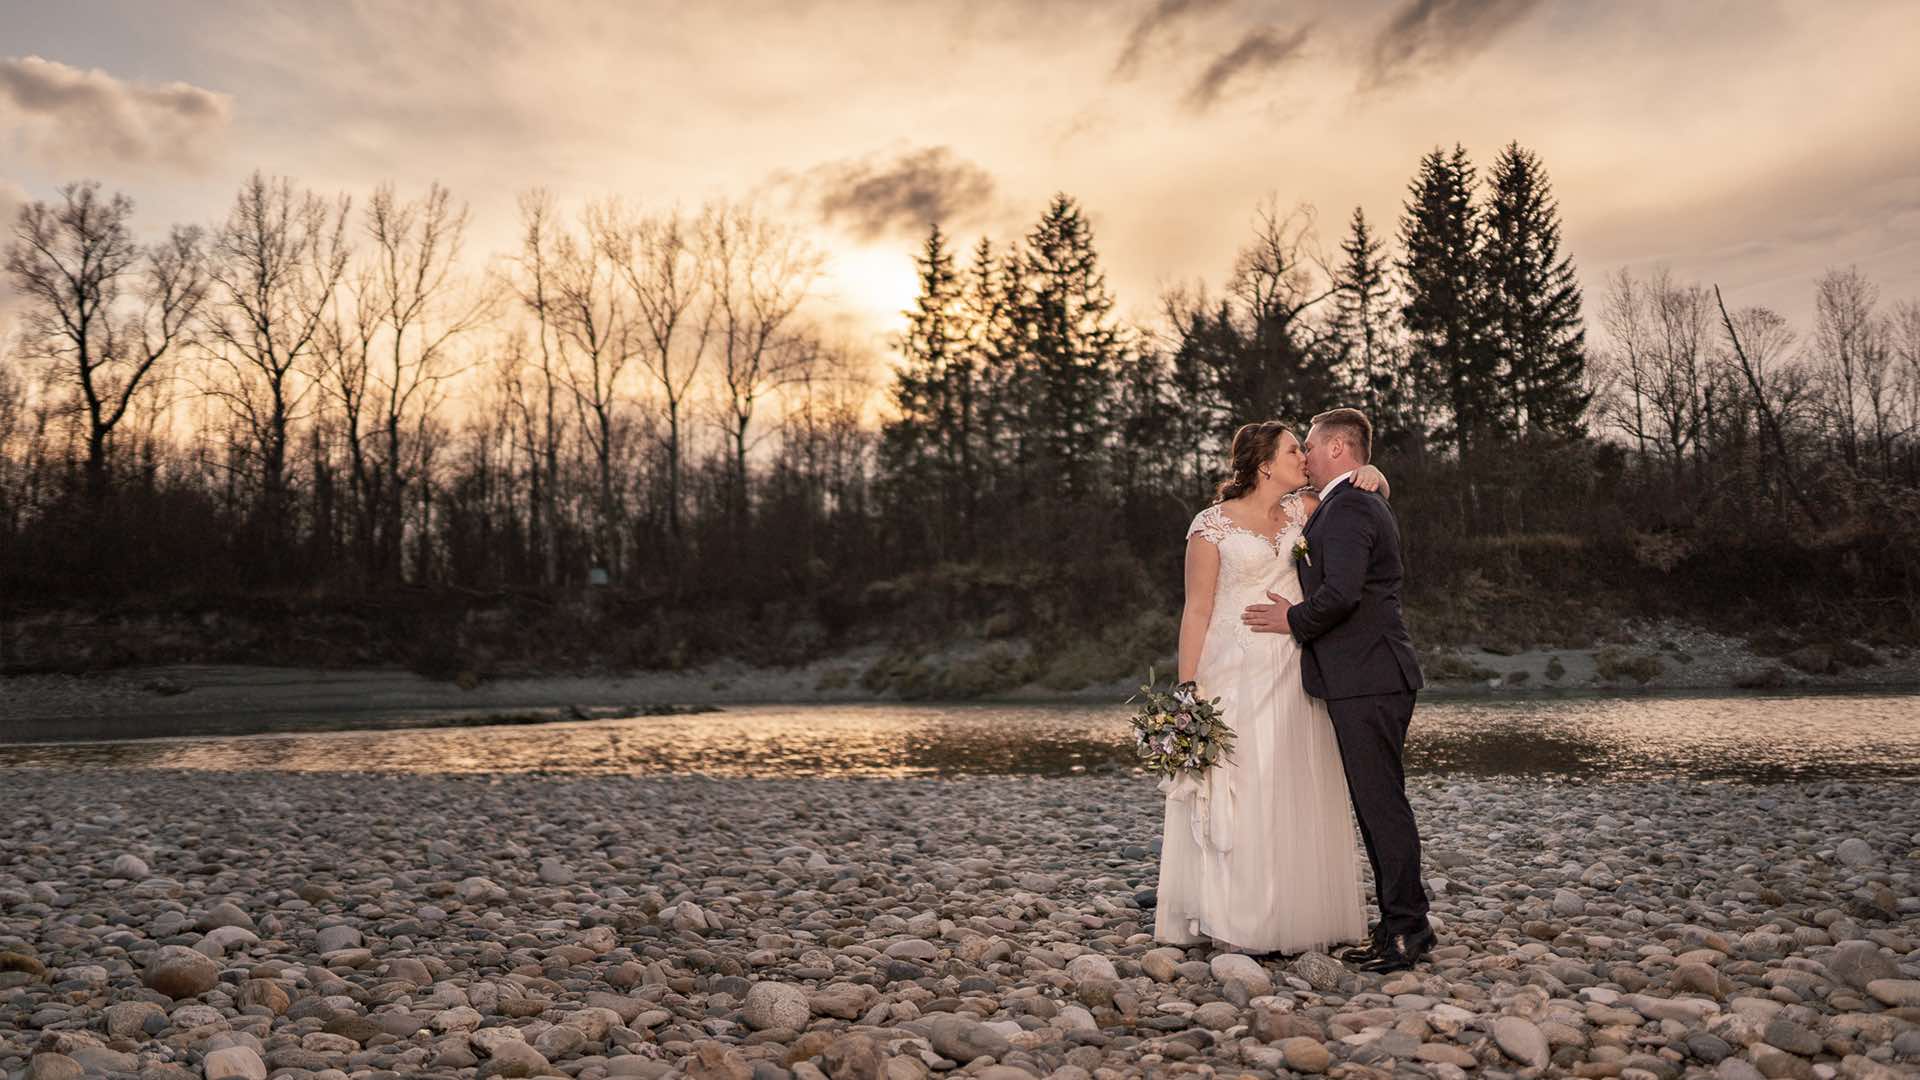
1244,553
1250,563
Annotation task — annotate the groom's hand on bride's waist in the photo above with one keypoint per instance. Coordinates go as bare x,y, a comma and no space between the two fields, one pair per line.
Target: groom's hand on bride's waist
1268,618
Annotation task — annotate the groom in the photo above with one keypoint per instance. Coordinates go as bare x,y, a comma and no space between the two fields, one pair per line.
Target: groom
1357,656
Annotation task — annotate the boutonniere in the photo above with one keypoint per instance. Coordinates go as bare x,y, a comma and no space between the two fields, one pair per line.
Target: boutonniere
1300,551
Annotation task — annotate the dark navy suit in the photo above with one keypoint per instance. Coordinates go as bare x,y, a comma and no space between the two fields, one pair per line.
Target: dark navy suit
1357,656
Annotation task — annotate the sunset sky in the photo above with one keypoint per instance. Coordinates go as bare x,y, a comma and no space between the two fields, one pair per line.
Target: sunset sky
1745,142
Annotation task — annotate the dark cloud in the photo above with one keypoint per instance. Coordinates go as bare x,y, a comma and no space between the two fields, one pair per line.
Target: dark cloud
875,197
1162,14
1263,49
69,116
1430,32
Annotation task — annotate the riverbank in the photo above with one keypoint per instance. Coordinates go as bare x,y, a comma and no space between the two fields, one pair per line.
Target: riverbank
234,699
344,924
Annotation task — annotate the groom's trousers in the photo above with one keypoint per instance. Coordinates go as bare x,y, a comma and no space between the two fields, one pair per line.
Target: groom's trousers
1372,731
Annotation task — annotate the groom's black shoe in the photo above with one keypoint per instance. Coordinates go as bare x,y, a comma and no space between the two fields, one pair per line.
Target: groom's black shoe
1357,955
1354,955
1400,954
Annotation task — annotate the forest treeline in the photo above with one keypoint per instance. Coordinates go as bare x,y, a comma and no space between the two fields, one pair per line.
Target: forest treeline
315,431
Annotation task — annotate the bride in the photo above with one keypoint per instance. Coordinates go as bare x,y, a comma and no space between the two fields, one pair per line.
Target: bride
1258,854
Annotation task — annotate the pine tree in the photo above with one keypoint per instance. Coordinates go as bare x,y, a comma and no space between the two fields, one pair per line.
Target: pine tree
925,447
1147,451
1073,350
1202,359
1443,302
1363,326
1533,302
989,297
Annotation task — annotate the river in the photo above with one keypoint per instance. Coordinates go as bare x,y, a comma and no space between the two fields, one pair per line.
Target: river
1757,737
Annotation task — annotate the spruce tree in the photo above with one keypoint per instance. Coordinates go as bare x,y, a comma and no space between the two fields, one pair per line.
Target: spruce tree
1533,301
1073,350
1451,357
990,295
1364,330
924,446
1202,357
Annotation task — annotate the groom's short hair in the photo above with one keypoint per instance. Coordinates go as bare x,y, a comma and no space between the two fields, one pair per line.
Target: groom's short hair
1351,425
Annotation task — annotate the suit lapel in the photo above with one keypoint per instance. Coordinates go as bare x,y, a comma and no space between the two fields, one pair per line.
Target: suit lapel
1331,495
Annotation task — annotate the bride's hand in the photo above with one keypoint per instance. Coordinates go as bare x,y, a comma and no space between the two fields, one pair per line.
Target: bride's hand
1368,478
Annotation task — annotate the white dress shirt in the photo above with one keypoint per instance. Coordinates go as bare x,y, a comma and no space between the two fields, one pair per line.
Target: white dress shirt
1348,475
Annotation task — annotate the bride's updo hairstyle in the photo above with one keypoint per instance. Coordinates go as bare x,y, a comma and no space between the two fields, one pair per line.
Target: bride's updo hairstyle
1253,446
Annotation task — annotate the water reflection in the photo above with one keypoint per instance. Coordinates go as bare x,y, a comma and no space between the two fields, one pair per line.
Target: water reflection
1759,737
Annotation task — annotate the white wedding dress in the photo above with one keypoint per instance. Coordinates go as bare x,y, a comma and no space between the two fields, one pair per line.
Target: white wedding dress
1259,854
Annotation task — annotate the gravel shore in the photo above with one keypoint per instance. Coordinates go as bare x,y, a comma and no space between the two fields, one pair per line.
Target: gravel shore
230,926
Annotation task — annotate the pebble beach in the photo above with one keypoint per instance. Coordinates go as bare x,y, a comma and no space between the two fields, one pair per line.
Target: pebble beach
172,924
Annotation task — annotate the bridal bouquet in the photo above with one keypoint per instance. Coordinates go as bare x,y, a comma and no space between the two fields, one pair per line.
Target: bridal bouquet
1176,731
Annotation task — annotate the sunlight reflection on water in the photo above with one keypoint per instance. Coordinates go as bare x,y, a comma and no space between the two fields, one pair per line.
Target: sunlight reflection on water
1755,737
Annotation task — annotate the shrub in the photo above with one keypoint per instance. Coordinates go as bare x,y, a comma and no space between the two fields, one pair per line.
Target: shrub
1452,667
1855,655
996,669
1000,625
1614,662
1771,677
1815,660
905,674
1082,665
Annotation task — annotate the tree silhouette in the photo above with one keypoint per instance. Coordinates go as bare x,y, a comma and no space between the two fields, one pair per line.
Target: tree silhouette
106,312
1533,301
1072,349
1444,301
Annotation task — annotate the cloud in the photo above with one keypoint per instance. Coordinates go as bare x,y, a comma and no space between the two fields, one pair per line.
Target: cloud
1261,50
69,117
12,198
877,197
1433,32
1163,14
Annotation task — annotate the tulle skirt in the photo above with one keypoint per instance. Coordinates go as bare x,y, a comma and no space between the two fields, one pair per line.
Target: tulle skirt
1260,855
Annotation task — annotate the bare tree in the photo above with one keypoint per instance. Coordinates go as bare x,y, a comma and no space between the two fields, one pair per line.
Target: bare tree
344,346
1683,385
1760,343
18,410
385,354
761,273
535,376
1624,315
593,319
1665,387
423,306
1846,348
1905,337
13,402
824,442
100,308
660,259
1282,273
276,263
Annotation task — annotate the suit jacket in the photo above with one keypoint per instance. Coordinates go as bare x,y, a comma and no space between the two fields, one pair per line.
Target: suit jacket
1353,639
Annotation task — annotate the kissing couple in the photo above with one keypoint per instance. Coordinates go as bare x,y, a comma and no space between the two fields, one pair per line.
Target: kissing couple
1292,620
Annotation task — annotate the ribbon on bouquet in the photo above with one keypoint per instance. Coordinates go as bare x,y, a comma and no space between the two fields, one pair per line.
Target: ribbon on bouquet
1209,799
